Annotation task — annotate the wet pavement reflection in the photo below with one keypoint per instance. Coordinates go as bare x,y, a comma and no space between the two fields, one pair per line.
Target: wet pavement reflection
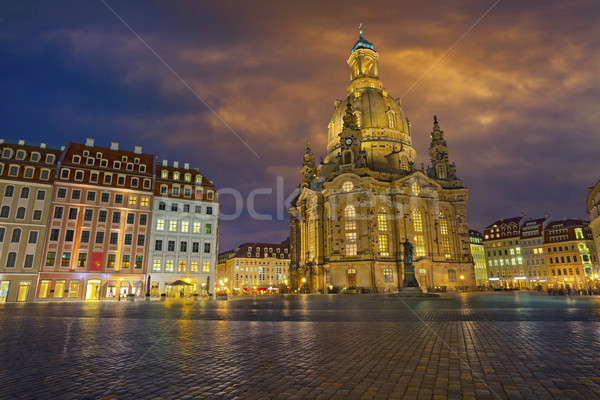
482,345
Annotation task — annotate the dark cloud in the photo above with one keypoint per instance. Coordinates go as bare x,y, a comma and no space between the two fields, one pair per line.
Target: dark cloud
517,97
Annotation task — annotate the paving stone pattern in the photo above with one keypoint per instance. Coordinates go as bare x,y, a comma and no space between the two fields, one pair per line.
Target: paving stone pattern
474,345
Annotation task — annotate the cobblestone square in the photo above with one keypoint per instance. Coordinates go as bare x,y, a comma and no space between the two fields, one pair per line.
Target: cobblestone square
472,345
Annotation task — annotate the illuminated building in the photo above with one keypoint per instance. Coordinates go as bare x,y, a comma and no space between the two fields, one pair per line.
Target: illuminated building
98,226
26,176
502,244
478,254
571,256
255,268
593,205
532,250
355,210
183,237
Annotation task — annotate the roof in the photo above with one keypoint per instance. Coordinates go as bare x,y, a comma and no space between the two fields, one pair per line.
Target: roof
362,43
245,248
506,221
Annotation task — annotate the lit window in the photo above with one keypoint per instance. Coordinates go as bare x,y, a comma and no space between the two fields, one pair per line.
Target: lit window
169,266
196,227
172,226
182,266
382,224
156,265
194,266
164,173
145,201
347,186
350,218
160,224
185,226
388,275
383,245
205,266
132,200
416,189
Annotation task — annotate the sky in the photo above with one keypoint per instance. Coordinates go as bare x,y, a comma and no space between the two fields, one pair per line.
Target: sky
236,88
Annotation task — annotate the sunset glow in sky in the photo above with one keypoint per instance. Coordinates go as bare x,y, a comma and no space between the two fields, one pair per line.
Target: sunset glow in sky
517,96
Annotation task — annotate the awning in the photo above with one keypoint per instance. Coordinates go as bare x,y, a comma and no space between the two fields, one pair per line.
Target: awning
179,282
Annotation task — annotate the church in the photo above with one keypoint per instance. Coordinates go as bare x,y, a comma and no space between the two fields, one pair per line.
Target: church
356,209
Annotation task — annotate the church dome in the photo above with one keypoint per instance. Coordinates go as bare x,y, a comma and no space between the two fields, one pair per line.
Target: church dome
384,128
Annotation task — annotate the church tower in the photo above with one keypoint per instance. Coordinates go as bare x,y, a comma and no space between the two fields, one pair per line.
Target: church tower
356,208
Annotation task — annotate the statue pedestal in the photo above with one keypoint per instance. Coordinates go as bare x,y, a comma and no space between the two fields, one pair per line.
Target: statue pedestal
414,293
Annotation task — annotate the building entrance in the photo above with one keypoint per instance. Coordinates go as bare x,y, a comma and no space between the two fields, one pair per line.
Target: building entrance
93,289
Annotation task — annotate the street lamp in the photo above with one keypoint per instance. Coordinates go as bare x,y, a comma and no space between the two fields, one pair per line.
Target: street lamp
462,282
304,284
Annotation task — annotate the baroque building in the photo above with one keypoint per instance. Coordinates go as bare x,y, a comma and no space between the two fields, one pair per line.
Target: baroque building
356,208
478,254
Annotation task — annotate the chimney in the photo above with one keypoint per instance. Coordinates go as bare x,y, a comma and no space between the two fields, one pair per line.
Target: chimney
42,145
89,142
165,163
186,165
137,150
176,164
114,145
21,142
2,141
62,148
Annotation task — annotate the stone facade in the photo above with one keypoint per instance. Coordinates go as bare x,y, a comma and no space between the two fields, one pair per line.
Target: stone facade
354,210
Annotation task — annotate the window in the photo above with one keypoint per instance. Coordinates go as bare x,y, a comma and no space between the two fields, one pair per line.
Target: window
187,191
183,247
118,198
58,212
174,207
11,259
110,260
208,229
171,245
13,170
172,226
416,189
134,182
141,239
74,288
116,219
64,173
69,234
451,275
9,191
61,193
185,226
194,266
54,234
160,224
209,210
169,266
196,227
2,232
182,266
88,215
65,259
158,245
388,275
164,189
164,174
116,164
146,181
102,215
85,236
93,175
16,235
383,245
78,175
125,261
138,262
4,211
91,196
20,213
41,195
162,205
382,224
186,208
128,239
28,261
72,213
143,219
114,238
29,172
105,197
145,201
195,247
206,248
349,218
418,229
76,159
132,200
197,209
50,258
24,192
205,266
156,265
99,237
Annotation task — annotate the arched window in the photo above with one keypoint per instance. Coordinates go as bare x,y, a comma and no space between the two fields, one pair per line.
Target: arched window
2,232
9,190
20,213
445,240
164,173
4,212
382,226
391,119
16,235
24,192
11,259
350,230
311,239
416,189
418,229
451,275
441,171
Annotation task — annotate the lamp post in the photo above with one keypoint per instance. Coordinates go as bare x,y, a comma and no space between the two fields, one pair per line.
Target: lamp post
462,282
304,285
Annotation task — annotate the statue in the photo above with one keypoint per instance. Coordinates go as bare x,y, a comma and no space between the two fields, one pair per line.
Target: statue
409,268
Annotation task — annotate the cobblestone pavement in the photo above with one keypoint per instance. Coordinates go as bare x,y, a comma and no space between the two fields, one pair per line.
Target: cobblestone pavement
475,345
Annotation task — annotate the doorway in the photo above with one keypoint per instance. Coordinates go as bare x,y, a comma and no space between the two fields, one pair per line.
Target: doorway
23,293
93,289
351,274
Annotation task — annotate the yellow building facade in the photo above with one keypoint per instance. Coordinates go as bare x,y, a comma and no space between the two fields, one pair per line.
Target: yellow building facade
355,210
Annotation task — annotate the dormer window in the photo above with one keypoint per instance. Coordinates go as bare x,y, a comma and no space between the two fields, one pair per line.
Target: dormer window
76,159
20,155
176,176
198,178
98,155
90,161
136,160
391,119
104,163
124,159
164,174
142,168
6,153
35,157
129,167
134,182
188,177
117,165
86,153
